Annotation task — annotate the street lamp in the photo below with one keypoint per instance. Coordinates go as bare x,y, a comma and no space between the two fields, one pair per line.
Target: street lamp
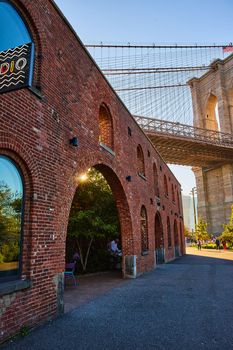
193,191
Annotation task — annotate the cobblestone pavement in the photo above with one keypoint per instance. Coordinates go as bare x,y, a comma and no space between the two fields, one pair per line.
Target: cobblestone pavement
183,305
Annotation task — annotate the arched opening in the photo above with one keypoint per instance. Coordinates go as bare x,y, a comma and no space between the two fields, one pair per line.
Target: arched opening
165,185
11,219
181,240
159,242
169,235
99,233
140,161
176,239
211,114
12,27
105,127
144,231
173,194
156,180
178,200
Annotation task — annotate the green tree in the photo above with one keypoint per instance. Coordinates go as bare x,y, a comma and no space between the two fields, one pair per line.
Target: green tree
10,222
189,234
201,230
227,234
93,214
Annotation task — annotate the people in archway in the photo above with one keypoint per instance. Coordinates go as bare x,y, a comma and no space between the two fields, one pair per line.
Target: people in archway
114,250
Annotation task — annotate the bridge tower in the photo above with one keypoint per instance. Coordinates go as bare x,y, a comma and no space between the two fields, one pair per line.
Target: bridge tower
212,96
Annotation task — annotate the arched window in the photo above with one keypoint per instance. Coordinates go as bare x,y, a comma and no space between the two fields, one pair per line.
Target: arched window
181,238
173,194
176,237
212,117
158,232
106,127
17,63
140,161
169,236
144,230
11,207
165,185
13,31
178,201
156,180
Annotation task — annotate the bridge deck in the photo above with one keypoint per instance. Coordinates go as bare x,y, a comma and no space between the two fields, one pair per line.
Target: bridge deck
187,145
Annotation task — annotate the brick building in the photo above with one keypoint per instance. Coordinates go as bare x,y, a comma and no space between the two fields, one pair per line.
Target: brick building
59,117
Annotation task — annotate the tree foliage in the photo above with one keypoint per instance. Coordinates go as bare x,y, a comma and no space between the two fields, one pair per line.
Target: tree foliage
227,234
201,230
10,223
93,214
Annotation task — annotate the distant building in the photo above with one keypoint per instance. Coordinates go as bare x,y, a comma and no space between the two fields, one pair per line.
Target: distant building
188,211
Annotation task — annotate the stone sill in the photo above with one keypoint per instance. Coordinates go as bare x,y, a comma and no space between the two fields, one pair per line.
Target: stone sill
142,176
146,252
106,148
36,92
14,286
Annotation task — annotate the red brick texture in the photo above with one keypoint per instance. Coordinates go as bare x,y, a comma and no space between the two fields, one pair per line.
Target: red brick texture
35,133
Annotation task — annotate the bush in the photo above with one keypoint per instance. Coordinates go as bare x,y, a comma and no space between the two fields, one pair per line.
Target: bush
210,246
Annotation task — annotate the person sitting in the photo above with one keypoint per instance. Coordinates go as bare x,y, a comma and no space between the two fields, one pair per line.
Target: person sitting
114,250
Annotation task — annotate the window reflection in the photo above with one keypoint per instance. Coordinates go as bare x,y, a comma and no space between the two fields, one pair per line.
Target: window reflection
13,31
11,200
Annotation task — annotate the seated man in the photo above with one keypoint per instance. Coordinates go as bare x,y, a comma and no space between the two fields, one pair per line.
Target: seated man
114,250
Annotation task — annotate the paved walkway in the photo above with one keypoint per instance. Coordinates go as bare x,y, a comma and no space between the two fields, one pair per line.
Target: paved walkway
183,305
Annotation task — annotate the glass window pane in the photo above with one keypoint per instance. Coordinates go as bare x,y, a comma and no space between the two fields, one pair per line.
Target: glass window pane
11,202
13,31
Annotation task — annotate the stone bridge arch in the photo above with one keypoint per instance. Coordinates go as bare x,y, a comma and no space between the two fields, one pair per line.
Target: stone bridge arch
212,97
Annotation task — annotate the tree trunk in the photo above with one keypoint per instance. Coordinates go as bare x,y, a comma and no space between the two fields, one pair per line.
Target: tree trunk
84,259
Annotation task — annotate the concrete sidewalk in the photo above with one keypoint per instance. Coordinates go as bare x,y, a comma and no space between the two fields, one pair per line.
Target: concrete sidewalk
183,305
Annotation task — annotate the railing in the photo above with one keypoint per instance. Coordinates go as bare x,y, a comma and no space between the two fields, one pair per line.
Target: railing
182,130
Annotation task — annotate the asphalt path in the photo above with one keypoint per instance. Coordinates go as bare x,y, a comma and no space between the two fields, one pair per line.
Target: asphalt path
186,304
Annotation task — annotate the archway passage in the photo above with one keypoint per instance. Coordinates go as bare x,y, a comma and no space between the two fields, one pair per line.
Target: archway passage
93,225
159,241
98,237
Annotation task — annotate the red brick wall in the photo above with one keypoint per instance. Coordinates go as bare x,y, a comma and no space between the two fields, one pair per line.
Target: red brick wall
35,133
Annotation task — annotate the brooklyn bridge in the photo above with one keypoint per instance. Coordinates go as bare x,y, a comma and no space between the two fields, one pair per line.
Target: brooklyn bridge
182,97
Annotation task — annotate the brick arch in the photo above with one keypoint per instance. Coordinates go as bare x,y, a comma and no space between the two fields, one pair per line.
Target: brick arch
210,116
158,231
140,161
156,180
122,205
173,194
27,175
37,33
169,234
9,144
165,185
176,234
144,230
106,127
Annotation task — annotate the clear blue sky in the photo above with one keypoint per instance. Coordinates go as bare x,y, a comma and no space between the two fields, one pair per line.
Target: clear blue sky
152,21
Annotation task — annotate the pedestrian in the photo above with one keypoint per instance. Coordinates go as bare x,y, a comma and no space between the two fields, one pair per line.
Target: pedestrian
217,242
199,244
224,245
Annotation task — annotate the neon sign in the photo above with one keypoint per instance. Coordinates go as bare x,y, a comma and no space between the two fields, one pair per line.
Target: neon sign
15,68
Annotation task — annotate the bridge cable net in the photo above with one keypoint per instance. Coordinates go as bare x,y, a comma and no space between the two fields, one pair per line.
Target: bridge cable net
152,79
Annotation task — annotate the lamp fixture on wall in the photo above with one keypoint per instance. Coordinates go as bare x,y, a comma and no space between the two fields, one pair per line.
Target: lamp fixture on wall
74,141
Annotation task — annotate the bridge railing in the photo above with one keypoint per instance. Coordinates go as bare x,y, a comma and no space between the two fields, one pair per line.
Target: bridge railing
182,130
